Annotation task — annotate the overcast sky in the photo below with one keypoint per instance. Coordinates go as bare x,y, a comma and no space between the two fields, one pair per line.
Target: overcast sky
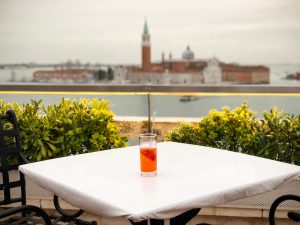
109,31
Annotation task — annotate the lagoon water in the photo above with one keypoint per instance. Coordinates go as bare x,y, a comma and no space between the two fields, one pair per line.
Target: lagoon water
171,106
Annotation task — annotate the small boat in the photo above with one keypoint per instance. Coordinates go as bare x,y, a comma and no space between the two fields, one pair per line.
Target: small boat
293,76
188,98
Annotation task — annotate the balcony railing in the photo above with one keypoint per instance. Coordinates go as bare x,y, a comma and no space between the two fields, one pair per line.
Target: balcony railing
208,89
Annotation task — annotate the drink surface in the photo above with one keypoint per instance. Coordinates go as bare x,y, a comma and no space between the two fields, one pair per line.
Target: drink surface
148,159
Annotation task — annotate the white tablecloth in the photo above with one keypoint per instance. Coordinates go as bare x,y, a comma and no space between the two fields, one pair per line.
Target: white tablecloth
108,183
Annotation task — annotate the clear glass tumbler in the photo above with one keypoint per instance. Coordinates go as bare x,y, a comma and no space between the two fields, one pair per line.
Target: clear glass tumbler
148,154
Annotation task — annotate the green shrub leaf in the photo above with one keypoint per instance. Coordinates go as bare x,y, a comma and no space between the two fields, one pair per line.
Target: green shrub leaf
70,127
275,136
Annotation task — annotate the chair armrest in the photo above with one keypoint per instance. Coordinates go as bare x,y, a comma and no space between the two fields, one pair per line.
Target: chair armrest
277,202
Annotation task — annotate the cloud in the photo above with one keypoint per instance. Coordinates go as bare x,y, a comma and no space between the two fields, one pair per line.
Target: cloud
111,29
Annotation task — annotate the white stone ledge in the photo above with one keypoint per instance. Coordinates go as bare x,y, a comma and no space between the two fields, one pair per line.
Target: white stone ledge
157,119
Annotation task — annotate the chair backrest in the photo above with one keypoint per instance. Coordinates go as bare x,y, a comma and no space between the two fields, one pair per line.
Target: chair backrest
11,157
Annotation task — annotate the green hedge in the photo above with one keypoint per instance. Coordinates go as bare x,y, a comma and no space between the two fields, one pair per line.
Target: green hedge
275,136
68,128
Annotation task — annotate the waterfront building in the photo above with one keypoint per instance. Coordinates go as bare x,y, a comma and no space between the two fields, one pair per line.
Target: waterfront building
66,75
188,70
146,49
212,73
239,74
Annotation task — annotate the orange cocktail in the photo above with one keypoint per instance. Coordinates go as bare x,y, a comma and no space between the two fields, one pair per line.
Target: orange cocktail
148,154
148,159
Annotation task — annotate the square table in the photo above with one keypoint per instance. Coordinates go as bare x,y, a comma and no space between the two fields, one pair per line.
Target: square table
108,183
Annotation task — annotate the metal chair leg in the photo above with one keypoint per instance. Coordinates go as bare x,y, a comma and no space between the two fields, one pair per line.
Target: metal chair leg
185,217
144,222
181,219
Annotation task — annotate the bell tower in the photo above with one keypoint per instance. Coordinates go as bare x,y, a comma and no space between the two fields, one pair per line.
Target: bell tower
146,49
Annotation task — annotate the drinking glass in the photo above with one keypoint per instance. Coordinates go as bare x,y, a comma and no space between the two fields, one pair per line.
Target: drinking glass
148,154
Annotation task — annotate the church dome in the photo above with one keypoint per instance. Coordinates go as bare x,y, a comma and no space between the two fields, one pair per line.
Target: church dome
188,54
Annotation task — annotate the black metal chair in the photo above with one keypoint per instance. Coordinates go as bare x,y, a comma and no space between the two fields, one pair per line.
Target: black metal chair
11,157
294,216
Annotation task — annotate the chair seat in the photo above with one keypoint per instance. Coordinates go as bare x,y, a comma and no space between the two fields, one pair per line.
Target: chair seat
25,214
294,216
